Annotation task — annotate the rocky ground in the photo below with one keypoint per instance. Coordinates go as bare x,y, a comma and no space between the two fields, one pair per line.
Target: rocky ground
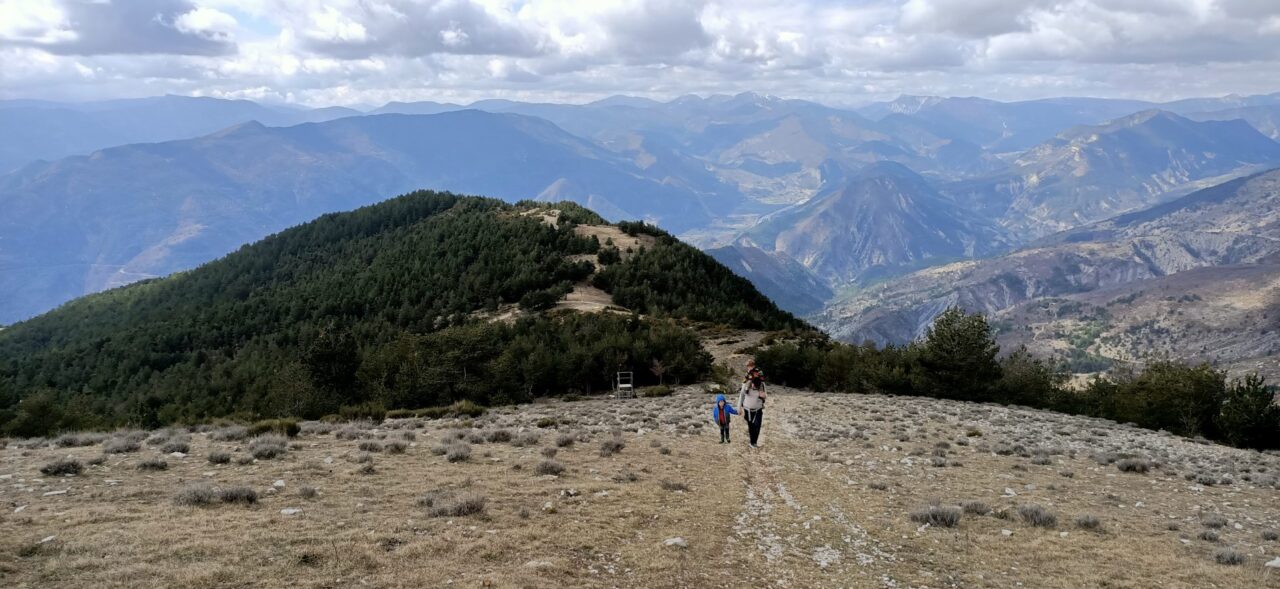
846,491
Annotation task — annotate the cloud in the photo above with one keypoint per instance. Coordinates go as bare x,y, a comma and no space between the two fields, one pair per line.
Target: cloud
98,27
370,51
408,28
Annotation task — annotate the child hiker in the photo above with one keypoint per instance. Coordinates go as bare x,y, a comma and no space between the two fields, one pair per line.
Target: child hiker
720,414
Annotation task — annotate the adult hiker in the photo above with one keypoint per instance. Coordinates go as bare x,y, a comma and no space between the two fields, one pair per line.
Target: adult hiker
751,399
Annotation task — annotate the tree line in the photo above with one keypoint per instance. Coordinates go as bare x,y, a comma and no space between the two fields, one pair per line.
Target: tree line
959,359
388,304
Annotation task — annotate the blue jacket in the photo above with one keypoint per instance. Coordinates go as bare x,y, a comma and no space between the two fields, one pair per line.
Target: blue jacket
728,409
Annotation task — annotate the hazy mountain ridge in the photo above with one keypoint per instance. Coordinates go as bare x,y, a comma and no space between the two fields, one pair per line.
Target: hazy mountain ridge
1233,224
33,130
883,220
1087,174
70,231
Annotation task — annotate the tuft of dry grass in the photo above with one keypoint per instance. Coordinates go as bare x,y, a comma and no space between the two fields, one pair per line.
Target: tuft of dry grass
62,467
196,495
268,446
938,516
1038,516
549,467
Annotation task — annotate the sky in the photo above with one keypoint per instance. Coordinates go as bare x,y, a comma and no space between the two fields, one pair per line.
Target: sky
369,52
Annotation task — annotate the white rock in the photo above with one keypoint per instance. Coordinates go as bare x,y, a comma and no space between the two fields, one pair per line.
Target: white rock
328,460
51,493
1274,564
19,508
539,564
1006,532
279,484
678,542
178,454
290,511
47,539
1009,492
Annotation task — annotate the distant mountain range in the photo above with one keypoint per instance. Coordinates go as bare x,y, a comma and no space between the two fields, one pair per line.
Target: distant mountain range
1090,173
1199,274
809,201
36,130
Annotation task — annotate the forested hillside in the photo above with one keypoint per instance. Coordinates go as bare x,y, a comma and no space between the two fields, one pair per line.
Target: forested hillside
385,305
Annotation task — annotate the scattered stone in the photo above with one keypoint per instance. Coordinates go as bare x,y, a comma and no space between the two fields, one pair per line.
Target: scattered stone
290,511
677,542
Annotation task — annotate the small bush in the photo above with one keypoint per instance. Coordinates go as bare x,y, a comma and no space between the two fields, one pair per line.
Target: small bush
1135,465
612,446
153,464
550,452
654,391
1088,522
1270,535
1208,535
370,446
975,507
458,453
551,467
62,467
526,439
565,440
77,440
442,503
182,445
374,412
1214,521
243,495
219,458
395,447
285,427
196,495
1037,516
308,492
121,446
98,460
440,449
1229,557
230,433
879,485
268,446
939,516
673,485
546,422
499,435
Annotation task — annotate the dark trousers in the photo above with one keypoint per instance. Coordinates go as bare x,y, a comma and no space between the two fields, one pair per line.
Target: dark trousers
754,419
724,432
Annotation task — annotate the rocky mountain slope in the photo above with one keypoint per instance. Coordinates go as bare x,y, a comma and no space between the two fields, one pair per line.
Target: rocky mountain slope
1088,174
1233,224
882,221
86,223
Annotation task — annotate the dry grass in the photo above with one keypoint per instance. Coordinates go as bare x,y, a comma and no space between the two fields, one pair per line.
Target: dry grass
773,517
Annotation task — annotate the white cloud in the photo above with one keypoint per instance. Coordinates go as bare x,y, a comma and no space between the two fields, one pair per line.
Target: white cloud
369,51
